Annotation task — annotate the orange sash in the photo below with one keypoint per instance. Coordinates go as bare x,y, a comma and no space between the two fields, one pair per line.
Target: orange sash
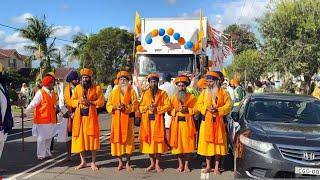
174,127
120,119
215,131
159,130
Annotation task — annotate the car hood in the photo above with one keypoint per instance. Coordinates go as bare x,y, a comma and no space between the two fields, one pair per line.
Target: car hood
285,133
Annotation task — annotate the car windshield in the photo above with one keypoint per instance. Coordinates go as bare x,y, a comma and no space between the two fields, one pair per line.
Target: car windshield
164,63
284,111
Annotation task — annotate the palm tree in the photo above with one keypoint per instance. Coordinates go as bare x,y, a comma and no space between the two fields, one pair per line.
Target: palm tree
39,32
74,52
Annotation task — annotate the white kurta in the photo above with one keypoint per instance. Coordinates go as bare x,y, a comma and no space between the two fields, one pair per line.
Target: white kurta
171,90
3,100
43,132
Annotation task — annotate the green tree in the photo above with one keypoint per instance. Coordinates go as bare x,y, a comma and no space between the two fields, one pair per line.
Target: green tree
106,52
248,65
75,52
291,31
38,31
242,38
57,59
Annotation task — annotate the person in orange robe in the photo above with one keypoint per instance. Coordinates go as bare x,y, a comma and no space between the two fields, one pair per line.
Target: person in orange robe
213,103
122,104
87,97
182,129
154,103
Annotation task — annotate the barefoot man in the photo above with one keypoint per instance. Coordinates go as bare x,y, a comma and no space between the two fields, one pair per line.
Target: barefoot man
182,129
86,98
153,105
122,104
213,103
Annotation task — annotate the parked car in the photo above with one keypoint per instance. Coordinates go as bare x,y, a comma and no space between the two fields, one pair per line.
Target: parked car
276,136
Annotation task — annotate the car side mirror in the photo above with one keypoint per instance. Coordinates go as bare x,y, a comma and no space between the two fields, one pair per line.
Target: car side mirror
235,116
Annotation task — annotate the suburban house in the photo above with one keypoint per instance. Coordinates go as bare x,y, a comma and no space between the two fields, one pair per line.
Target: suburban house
11,59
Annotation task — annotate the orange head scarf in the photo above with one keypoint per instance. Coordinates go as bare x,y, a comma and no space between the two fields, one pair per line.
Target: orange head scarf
183,79
86,72
202,83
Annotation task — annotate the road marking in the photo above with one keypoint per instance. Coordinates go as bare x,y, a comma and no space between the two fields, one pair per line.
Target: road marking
39,165
19,133
103,137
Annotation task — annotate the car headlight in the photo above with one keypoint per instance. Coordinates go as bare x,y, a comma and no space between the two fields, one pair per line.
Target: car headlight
257,145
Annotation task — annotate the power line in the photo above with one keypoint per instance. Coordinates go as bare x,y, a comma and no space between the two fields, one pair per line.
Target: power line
18,29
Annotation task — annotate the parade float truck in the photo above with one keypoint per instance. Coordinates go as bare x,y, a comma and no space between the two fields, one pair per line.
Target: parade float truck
171,45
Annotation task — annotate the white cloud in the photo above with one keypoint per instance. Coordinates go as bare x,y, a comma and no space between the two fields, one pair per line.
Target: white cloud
241,12
14,38
62,31
76,29
125,28
65,7
21,19
171,1
19,47
2,34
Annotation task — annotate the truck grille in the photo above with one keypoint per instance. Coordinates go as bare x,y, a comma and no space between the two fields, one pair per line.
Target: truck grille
300,154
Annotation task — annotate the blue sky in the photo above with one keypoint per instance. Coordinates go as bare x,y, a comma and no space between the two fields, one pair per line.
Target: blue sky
72,16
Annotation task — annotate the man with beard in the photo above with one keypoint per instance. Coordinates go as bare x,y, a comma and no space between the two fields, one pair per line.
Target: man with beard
182,130
213,103
45,120
86,98
154,103
6,119
122,104
72,81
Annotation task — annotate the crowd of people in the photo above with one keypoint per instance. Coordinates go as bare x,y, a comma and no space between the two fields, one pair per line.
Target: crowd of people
183,115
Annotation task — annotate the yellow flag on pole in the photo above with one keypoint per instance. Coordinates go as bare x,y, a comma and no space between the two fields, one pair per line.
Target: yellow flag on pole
224,72
137,24
201,33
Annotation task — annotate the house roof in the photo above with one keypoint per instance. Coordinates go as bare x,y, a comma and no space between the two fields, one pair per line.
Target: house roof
61,73
6,53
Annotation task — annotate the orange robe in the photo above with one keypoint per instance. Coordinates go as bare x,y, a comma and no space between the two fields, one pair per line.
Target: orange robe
67,97
85,129
182,133
212,137
152,132
122,123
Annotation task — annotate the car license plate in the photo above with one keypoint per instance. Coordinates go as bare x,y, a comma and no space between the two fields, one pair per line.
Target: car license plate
303,170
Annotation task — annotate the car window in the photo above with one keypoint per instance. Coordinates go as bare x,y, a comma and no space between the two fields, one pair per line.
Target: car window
285,111
242,107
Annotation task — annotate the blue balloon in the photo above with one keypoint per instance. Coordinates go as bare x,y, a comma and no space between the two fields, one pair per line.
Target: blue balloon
166,39
161,32
148,40
189,45
176,36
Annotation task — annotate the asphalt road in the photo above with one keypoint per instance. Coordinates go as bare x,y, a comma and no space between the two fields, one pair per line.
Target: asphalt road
22,164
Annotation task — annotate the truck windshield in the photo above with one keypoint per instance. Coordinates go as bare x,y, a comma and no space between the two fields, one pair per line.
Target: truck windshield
173,64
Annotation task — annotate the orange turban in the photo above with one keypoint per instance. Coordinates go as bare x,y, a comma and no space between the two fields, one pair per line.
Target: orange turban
236,81
153,76
182,78
202,83
86,72
212,75
123,74
47,80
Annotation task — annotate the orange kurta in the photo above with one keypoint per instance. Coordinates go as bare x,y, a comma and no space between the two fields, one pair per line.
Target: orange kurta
152,132
212,137
182,133
122,123
85,129
67,96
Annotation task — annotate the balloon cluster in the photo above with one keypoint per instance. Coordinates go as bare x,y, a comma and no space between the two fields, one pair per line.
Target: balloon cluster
166,38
